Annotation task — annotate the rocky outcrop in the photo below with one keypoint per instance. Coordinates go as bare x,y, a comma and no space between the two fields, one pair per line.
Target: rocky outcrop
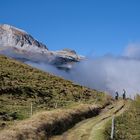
18,44
11,36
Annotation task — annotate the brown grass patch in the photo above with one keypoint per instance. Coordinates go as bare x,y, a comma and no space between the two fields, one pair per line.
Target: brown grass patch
45,124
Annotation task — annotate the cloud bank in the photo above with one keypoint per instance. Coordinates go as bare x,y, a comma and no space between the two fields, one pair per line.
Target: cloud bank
107,73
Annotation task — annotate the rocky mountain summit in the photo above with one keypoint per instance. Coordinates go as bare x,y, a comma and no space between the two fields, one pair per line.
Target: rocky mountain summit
18,44
11,36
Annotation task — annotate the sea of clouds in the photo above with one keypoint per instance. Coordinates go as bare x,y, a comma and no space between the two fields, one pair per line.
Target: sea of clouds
108,73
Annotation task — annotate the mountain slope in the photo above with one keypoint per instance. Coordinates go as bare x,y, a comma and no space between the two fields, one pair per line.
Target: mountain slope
21,85
17,76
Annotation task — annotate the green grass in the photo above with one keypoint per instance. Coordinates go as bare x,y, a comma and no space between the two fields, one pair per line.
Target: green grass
127,125
21,85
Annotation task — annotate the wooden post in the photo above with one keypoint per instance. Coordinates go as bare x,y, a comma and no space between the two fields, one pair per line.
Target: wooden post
31,113
112,129
55,105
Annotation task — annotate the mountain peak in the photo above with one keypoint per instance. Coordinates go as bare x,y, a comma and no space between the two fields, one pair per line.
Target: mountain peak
20,45
14,37
8,27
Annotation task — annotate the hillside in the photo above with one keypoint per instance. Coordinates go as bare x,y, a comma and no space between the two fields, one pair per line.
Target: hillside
22,85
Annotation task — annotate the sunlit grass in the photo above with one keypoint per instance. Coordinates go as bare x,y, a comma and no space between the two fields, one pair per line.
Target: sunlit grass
127,125
21,85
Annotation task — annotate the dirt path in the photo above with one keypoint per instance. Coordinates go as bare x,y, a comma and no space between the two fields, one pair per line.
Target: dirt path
93,128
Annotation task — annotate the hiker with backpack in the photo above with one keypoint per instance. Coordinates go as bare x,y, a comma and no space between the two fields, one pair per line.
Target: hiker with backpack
117,95
124,94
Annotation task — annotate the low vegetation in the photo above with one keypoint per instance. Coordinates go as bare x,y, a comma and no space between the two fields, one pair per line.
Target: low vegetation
23,87
45,124
127,125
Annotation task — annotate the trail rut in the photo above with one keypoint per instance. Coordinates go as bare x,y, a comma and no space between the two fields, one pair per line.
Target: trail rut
93,128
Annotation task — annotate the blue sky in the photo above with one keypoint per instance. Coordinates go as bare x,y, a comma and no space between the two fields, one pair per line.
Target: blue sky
87,26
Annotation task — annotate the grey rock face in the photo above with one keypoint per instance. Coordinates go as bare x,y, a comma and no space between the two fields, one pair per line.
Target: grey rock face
11,36
20,45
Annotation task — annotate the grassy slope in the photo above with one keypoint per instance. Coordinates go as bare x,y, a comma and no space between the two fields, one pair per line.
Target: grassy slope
45,124
21,84
127,125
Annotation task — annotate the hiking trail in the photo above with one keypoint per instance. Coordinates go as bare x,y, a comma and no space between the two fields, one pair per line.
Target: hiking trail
93,128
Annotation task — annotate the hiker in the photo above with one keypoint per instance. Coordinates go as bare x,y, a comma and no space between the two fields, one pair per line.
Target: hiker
124,94
117,95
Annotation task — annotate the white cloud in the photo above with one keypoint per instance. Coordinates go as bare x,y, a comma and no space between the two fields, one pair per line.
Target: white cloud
132,51
108,73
